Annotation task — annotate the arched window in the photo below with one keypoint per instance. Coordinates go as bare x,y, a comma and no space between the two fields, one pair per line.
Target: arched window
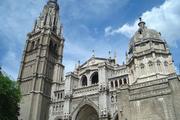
58,95
50,45
61,95
142,68
112,98
56,108
120,82
116,83
165,63
32,45
84,80
150,63
166,66
112,85
125,81
55,48
94,78
159,66
37,43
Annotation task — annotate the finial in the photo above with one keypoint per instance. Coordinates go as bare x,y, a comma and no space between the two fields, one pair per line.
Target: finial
61,30
160,33
79,63
141,23
115,56
109,54
93,53
140,19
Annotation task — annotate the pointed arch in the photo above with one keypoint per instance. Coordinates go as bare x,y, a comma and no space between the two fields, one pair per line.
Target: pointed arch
83,102
142,67
32,45
116,83
125,81
150,64
166,66
87,112
58,118
120,82
159,65
165,63
112,84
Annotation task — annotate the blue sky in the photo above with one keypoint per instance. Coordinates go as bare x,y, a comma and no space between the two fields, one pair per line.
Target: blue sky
100,25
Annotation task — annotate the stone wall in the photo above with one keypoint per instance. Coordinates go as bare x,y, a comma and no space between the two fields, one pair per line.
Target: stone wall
154,100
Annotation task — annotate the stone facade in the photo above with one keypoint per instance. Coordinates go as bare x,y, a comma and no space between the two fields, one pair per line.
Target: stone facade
146,87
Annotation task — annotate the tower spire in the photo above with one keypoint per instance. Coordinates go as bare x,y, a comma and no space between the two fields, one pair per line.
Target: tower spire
44,38
49,18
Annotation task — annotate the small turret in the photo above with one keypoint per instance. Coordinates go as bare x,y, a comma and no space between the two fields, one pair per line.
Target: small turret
141,23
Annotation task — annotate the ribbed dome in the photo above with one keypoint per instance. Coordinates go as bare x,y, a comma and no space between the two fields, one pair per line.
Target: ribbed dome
144,33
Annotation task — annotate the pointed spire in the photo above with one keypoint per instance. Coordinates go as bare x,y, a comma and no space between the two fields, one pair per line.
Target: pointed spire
49,18
35,24
109,54
79,63
61,31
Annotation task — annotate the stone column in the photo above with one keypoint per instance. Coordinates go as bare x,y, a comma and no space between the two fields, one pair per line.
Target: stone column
68,96
103,93
123,103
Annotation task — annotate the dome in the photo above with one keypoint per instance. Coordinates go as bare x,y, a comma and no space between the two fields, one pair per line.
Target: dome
143,34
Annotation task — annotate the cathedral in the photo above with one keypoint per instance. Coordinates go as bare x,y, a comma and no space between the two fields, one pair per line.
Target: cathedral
145,87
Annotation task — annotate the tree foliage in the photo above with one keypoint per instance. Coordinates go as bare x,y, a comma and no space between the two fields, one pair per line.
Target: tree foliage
9,99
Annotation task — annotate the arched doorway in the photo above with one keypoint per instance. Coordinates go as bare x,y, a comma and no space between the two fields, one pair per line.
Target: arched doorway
87,113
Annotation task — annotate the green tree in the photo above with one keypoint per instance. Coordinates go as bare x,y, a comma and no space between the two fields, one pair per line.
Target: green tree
9,99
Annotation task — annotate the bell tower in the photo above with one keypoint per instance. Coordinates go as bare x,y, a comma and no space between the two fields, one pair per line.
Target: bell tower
41,68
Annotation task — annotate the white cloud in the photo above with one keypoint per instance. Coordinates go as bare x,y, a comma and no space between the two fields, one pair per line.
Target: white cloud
164,19
16,21
126,29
